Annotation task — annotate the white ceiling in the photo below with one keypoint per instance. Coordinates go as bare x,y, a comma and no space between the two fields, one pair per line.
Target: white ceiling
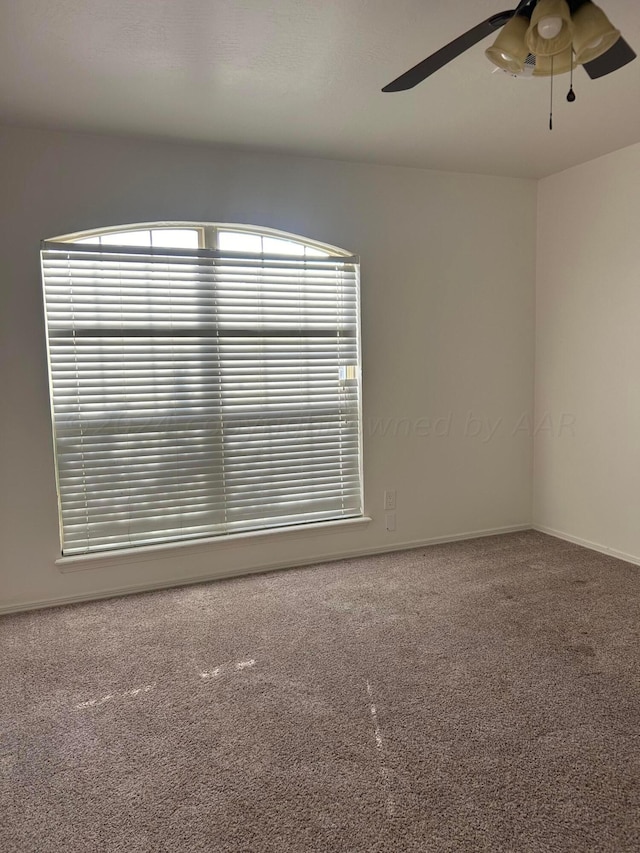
304,76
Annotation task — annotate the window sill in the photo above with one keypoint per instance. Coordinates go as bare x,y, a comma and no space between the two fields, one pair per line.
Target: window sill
259,538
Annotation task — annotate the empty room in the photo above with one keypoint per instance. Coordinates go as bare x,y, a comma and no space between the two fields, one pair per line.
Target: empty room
320,433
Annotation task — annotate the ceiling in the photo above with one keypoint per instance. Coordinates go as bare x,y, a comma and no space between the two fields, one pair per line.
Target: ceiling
303,76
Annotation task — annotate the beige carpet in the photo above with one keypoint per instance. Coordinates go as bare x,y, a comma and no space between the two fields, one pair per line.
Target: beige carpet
480,696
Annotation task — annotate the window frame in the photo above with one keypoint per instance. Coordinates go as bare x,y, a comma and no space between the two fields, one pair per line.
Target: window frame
207,234
208,239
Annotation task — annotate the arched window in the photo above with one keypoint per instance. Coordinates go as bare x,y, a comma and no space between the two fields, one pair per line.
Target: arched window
204,381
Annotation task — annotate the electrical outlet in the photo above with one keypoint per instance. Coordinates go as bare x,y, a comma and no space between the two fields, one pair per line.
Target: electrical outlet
390,499
390,519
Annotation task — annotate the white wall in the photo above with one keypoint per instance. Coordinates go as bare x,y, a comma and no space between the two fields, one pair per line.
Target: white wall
587,478
448,267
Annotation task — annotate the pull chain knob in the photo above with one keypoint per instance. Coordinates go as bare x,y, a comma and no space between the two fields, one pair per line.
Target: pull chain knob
572,95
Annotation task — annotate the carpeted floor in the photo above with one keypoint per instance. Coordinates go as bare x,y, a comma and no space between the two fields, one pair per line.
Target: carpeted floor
479,696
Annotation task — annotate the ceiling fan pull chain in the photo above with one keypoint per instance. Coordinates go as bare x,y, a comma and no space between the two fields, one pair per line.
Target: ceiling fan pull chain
551,105
571,96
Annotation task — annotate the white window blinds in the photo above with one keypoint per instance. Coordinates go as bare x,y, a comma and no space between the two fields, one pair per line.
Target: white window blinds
200,392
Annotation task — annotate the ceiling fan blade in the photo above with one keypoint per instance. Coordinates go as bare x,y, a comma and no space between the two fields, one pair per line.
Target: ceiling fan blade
616,57
446,54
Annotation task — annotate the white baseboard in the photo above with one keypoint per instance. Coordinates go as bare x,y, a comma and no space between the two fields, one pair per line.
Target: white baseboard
270,567
586,543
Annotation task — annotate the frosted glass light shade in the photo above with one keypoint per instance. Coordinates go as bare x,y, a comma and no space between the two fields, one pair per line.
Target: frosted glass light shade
562,62
536,43
509,50
593,33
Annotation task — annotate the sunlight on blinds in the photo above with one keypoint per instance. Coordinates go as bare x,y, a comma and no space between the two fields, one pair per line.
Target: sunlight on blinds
201,392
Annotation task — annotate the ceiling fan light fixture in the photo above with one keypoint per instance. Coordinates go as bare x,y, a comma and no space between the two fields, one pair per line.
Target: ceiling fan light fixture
562,63
593,33
509,50
551,29
508,55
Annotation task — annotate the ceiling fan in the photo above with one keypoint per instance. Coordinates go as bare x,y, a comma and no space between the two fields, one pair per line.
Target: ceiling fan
540,38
